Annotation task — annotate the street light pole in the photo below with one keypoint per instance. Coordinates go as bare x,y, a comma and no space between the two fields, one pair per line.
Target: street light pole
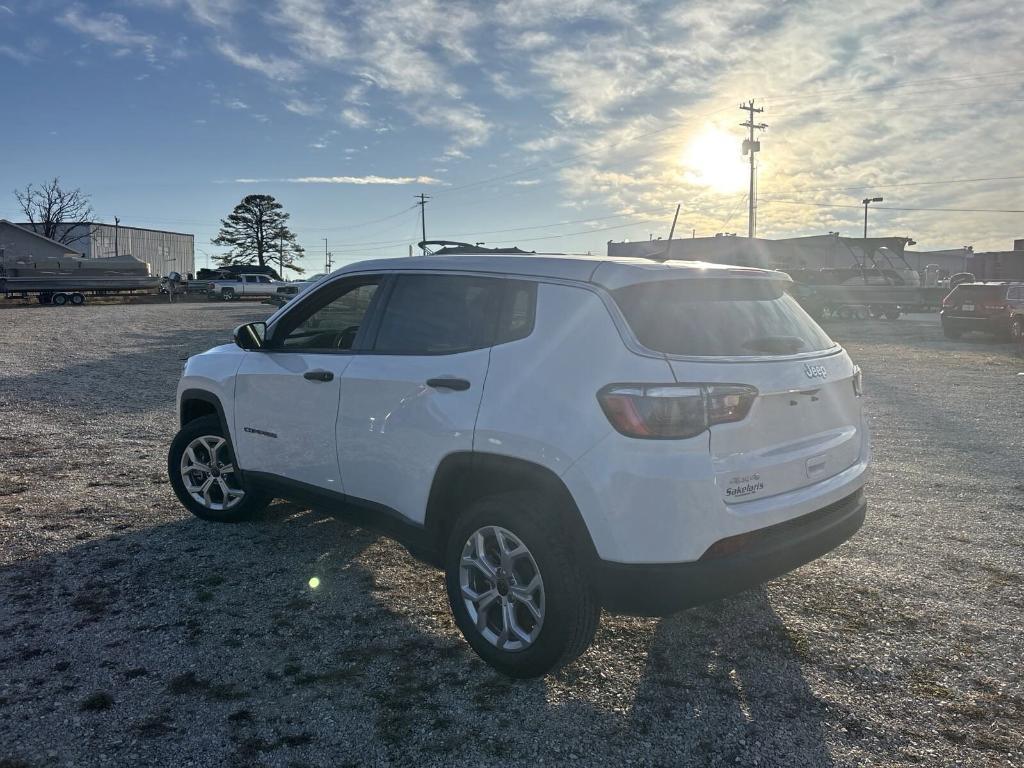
867,201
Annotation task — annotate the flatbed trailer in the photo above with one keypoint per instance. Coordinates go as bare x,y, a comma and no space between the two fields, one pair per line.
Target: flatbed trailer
74,293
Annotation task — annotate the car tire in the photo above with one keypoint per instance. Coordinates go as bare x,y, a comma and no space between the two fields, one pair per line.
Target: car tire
77,299
227,497
60,299
228,294
558,617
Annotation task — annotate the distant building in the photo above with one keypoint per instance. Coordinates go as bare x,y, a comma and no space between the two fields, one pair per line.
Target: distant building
21,244
986,265
163,251
816,252
949,261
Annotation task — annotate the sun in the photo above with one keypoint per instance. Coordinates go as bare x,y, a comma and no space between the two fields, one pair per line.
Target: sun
713,158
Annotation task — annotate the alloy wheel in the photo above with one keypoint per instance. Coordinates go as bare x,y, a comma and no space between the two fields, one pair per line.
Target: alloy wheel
209,474
502,588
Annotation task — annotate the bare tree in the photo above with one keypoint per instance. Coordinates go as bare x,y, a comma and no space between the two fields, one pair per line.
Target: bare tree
60,214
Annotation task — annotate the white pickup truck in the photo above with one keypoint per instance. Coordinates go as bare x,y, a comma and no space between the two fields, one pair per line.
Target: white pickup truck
249,286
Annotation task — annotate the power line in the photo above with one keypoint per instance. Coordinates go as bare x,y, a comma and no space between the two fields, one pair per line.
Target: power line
895,208
386,243
913,184
363,223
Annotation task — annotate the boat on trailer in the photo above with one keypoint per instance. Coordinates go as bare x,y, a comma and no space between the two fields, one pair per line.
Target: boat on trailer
66,279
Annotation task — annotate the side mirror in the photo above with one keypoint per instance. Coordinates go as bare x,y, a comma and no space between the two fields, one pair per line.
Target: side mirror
250,335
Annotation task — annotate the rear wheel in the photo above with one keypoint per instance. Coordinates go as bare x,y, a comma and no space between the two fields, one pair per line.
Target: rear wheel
77,299
60,299
202,470
516,588
228,294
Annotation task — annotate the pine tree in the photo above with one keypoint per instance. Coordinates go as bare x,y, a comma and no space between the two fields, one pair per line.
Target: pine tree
257,233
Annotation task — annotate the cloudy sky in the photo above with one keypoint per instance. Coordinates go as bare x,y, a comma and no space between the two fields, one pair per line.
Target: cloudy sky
554,124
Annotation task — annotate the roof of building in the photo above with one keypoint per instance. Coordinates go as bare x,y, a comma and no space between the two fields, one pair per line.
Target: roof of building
609,271
118,226
28,231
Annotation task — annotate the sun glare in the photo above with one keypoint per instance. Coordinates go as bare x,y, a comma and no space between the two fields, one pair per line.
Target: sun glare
714,159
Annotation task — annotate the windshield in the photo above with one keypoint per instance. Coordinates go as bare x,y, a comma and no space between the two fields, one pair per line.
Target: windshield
719,317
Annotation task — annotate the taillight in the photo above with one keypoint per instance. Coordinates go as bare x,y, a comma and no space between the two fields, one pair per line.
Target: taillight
858,382
673,411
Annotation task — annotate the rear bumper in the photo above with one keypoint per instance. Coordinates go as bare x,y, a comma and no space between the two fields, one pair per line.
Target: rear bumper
997,324
731,565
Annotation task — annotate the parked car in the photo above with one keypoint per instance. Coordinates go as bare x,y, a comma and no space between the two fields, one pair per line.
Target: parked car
558,434
993,308
249,286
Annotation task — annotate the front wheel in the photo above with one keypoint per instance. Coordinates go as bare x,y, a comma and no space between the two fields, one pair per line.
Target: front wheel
201,466
516,587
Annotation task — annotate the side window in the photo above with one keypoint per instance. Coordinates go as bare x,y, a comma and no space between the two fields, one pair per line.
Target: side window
518,311
329,320
440,314
264,279
252,278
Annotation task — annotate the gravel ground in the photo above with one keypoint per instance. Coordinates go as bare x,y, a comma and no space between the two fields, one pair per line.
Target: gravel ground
132,634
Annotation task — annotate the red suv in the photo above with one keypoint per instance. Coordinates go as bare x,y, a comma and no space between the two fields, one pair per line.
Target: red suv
996,308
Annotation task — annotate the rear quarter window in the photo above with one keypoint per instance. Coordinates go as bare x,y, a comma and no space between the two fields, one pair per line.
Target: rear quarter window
719,317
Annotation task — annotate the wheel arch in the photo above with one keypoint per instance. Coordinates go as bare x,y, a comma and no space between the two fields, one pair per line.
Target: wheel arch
464,477
196,403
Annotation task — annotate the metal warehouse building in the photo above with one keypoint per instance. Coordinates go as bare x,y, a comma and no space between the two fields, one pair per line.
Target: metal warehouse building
163,251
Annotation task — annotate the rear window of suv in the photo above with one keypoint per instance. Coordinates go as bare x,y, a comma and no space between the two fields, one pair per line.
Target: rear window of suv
990,293
719,317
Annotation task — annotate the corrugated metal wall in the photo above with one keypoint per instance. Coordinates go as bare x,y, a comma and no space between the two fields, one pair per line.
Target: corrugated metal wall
163,251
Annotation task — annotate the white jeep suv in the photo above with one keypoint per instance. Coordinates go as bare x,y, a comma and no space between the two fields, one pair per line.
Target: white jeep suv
559,434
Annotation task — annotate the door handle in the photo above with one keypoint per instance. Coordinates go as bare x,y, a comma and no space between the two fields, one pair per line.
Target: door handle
318,375
459,385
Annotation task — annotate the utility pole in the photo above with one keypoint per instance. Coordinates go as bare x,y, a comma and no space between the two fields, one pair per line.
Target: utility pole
672,232
327,257
752,146
117,223
867,201
423,217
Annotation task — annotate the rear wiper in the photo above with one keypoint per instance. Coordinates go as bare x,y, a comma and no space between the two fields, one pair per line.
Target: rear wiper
775,345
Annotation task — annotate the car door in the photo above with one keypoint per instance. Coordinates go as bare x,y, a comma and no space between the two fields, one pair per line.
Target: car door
286,394
251,285
412,398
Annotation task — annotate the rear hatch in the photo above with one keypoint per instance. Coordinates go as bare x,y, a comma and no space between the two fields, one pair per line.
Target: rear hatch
804,426
969,300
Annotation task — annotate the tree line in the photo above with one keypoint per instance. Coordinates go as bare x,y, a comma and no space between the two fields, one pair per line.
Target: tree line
255,232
